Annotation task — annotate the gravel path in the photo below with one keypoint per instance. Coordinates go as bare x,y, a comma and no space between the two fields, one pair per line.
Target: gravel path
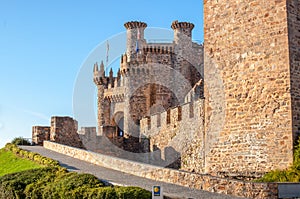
124,179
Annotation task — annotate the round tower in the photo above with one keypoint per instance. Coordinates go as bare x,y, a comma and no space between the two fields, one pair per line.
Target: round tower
135,38
183,49
182,32
101,83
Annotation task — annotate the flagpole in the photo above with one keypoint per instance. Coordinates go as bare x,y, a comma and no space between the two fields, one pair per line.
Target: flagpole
107,50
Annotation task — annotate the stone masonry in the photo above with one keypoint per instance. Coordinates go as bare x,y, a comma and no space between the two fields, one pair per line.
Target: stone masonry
178,133
62,130
252,47
152,78
183,178
39,134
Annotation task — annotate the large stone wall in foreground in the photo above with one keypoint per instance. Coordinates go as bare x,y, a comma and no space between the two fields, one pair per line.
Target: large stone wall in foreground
248,43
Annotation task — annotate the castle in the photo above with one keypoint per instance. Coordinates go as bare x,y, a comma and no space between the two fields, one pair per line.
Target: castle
228,107
153,77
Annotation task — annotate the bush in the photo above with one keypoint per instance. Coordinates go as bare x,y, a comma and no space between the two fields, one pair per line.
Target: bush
20,141
31,156
13,185
54,181
132,192
291,174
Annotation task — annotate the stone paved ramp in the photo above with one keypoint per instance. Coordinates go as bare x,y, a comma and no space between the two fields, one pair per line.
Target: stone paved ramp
120,178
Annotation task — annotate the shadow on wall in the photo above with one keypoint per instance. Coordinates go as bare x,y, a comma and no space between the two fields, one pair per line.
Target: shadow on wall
135,149
169,157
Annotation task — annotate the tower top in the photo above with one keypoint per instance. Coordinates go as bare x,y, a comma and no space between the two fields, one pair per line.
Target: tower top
135,24
182,25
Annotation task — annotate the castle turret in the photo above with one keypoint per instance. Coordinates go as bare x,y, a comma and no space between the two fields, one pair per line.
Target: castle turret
182,32
95,67
182,50
111,78
101,83
102,72
135,38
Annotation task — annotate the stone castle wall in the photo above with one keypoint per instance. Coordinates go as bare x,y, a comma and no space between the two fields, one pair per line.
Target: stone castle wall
89,138
183,178
62,130
247,53
39,134
294,59
181,129
152,77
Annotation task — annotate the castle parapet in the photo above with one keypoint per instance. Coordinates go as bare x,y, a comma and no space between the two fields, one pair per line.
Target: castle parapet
115,94
163,48
135,24
100,79
182,25
172,118
40,134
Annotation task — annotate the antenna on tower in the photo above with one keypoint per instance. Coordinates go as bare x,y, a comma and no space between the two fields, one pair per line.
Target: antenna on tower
107,50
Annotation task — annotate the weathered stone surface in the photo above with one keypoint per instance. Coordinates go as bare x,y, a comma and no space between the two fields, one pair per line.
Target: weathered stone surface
252,45
88,136
64,130
198,181
178,133
39,134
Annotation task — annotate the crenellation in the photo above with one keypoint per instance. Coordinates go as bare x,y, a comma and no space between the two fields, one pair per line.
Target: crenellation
169,118
183,133
135,24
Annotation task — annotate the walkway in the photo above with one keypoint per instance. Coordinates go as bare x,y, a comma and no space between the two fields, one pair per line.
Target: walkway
124,179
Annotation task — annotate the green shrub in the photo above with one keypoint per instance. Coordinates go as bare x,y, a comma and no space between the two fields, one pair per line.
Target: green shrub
132,192
291,174
56,182
20,141
63,185
14,184
31,156
103,193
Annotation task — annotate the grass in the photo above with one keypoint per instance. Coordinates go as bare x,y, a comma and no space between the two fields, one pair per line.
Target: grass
11,163
26,174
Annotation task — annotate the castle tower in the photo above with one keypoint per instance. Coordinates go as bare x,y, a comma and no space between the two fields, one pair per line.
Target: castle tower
252,62
103,105
182,33
135,38
182,50
135,42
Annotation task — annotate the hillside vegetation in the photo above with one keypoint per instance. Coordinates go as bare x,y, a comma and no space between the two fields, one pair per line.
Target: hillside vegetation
10,163
47,180
291,174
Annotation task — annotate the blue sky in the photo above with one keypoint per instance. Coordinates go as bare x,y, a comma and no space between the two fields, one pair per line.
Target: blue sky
43,45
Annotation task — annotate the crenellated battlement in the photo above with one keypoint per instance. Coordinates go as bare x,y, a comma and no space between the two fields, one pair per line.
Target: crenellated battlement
135,24
115,94
182,25
162,48
100,79
172,118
